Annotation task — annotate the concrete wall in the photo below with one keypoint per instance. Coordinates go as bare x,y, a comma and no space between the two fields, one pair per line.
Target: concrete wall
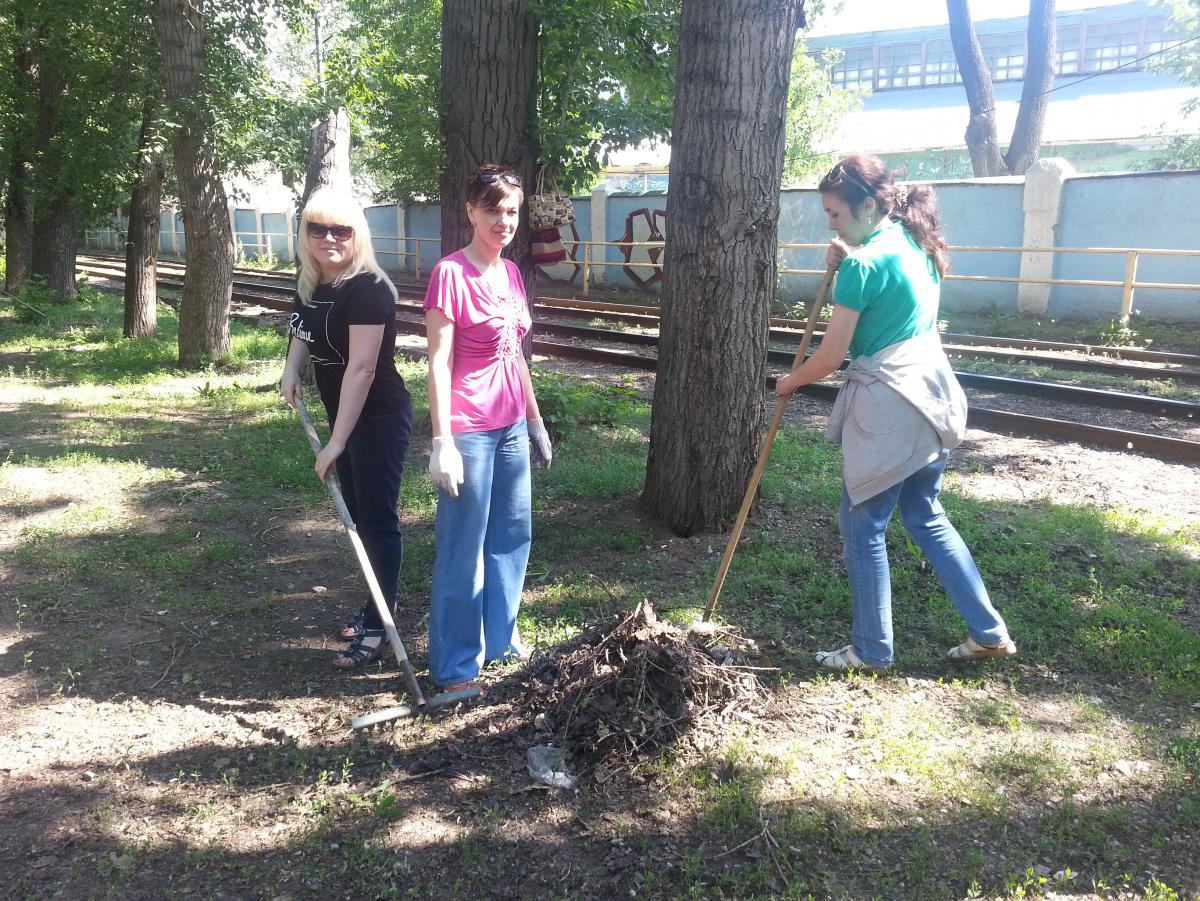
1151,210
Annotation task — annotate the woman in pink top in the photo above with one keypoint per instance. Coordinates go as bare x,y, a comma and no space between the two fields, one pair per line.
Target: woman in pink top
485,417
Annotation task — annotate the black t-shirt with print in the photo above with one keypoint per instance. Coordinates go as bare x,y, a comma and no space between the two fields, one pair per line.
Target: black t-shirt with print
324,326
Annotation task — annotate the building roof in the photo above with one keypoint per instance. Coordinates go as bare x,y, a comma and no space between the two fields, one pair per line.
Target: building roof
1129,107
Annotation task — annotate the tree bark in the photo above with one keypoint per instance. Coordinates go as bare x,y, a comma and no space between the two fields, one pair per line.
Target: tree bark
208,282
18,223
54,218
141,242
18,204
489,66
328,154
1039,78
980,135
722,213
55,246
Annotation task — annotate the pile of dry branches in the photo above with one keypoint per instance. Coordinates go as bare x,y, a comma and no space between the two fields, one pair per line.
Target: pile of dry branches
630,687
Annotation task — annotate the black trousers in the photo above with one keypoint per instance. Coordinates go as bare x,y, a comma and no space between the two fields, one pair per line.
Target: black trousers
370,469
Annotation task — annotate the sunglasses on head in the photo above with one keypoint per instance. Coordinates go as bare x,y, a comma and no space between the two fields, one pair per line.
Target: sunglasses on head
340,232
512,178
841,173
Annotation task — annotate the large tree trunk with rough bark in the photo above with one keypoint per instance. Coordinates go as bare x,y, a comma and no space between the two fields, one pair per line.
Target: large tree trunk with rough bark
1039,78
328,154
141,242
208,283
489,66
722,213
54,218
55,246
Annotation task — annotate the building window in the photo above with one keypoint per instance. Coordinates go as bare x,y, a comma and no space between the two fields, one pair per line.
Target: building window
1155,39
857,67
1004,55
899,66
940,64
1066,54
1111,44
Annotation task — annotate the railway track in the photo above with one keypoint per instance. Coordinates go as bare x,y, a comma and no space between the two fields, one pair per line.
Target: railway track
272,292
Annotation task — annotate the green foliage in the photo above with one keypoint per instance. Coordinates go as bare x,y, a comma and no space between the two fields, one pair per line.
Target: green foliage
1182,151
569,404
605,81
815,108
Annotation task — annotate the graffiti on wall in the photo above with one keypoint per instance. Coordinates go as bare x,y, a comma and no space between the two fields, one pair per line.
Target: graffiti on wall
641,226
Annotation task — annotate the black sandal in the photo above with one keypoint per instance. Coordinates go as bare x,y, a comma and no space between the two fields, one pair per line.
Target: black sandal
360,653
356,628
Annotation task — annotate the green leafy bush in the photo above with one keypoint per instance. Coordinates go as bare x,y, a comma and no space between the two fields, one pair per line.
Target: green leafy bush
569,404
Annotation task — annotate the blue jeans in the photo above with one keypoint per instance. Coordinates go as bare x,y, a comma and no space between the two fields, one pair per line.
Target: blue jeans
482,546
370,470
864,548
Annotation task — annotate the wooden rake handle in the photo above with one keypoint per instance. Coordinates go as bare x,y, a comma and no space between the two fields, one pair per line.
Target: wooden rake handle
385,614
765,452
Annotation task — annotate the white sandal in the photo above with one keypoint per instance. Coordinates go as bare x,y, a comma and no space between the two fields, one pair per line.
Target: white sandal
973,650
845,659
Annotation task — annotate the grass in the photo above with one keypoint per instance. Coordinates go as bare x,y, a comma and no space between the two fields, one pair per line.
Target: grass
151,508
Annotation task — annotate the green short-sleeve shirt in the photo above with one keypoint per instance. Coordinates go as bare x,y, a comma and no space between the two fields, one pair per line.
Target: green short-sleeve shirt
894,286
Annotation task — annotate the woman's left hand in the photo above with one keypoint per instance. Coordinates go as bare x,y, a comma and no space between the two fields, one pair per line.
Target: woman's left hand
539,440
786,384
327,457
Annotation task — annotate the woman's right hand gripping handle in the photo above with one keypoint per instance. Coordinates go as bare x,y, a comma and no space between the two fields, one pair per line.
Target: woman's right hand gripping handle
446,465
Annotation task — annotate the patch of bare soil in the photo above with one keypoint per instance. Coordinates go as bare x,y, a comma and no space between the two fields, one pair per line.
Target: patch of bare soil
146,754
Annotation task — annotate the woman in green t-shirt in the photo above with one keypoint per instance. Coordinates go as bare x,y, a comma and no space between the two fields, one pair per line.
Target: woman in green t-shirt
900,410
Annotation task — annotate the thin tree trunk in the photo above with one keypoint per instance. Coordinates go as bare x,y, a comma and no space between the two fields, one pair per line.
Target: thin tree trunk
489,65
1039,78
722,214
18,204
328,154
18,224
208,283
980,135
141,242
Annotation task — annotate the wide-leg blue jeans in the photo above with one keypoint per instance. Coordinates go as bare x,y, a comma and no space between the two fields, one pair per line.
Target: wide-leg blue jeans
864,548
370,470
482,550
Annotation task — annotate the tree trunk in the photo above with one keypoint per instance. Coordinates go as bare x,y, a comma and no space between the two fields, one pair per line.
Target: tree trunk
328,154
1039,78
489,65
141,242
18,224
208,282
54,219
719,278
54,245
18,204
981,99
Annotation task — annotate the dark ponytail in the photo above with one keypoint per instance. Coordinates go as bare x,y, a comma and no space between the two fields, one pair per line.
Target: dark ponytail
858,177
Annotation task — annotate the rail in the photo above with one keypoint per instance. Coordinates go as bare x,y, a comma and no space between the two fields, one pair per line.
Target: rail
591,259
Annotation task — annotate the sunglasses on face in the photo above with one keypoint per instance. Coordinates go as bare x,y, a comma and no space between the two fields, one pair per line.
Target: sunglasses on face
339,232
512,178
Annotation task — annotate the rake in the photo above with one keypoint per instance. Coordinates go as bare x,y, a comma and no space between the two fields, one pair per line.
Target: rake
421,704
765,452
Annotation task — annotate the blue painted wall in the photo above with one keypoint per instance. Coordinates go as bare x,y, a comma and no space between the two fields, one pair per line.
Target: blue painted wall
1155,210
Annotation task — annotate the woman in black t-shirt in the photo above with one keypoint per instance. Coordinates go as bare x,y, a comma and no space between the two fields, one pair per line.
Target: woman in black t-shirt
344,321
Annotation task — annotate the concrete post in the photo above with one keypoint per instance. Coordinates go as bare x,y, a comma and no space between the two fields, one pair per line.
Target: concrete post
401,245
599,207
1042,203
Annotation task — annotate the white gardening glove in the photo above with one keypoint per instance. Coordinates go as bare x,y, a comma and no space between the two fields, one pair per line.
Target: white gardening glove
446,465
539,441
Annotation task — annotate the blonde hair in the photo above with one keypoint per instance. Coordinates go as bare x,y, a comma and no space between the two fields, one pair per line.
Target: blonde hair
327,205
